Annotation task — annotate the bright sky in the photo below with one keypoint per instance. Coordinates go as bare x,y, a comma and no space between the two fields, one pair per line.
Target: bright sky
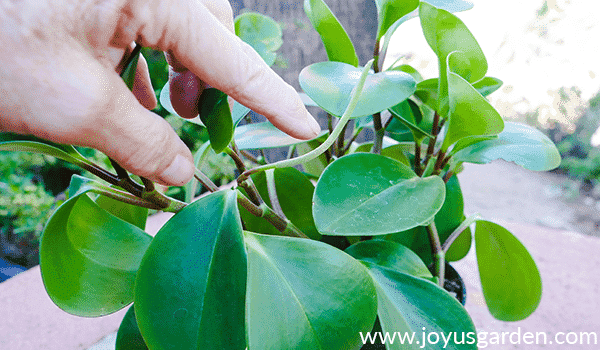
534,56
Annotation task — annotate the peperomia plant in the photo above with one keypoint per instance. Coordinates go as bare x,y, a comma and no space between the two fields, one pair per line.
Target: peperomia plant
316,250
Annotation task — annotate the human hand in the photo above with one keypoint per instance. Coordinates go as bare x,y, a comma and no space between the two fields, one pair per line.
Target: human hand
58,78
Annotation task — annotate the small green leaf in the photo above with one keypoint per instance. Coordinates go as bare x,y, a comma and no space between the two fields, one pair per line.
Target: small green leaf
238,111
405,306
128,335
445,33
305,294
330,85
190,288
25,143
409,114
295,192
337,43
518,143
263,136
369,194
487,85
216,115
390,255
89,258
128,74
511,282
261,32
409,70
389,11
397,152
470,113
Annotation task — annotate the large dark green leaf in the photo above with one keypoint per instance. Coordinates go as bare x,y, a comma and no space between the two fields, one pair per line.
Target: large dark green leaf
369,194
389,11
511,282
128,335
304,294
337,43
26,143
295,192
263,136
216,116
330,85
517,143
413,306
190,288
89,258
390,255
470,113
446,33
129,213
261,32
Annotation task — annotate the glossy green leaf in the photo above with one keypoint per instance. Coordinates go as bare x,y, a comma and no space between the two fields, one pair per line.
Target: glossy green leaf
216,116
263,136
369,194
412,305
330,84
389,11
470,113
89,258
409,114
487,85
396,152
190,288
295,192
448,5
261,32
337,43
238,111
427,90
518,143
470,140
26,143
304,294
390,255
409,70
511,282
446,33
447,219
450,216
127,212
128,335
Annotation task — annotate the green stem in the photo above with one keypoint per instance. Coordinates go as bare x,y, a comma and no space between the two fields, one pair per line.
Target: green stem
284,226
463,226
205,181
330,140
379,134
439,258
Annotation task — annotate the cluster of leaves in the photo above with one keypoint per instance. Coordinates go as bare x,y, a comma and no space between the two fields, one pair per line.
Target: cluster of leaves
282,263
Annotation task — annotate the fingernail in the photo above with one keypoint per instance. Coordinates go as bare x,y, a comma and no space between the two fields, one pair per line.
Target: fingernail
179,172
312,123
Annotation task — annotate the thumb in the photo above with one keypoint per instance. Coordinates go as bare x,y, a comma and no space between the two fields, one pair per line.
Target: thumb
141,141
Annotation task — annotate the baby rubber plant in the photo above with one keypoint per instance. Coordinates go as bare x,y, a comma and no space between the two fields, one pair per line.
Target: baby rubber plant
328,248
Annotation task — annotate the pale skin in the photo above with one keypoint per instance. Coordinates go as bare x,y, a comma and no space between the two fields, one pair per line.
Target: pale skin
59,77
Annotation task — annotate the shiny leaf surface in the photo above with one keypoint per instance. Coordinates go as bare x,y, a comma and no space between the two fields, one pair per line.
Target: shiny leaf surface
216,116
324,293
190,288
128,335
263,136
330,84
511,282
369,194
337,43
89,258
389,11
519,143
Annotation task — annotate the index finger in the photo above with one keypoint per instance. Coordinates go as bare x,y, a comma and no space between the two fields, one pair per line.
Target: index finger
219,58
